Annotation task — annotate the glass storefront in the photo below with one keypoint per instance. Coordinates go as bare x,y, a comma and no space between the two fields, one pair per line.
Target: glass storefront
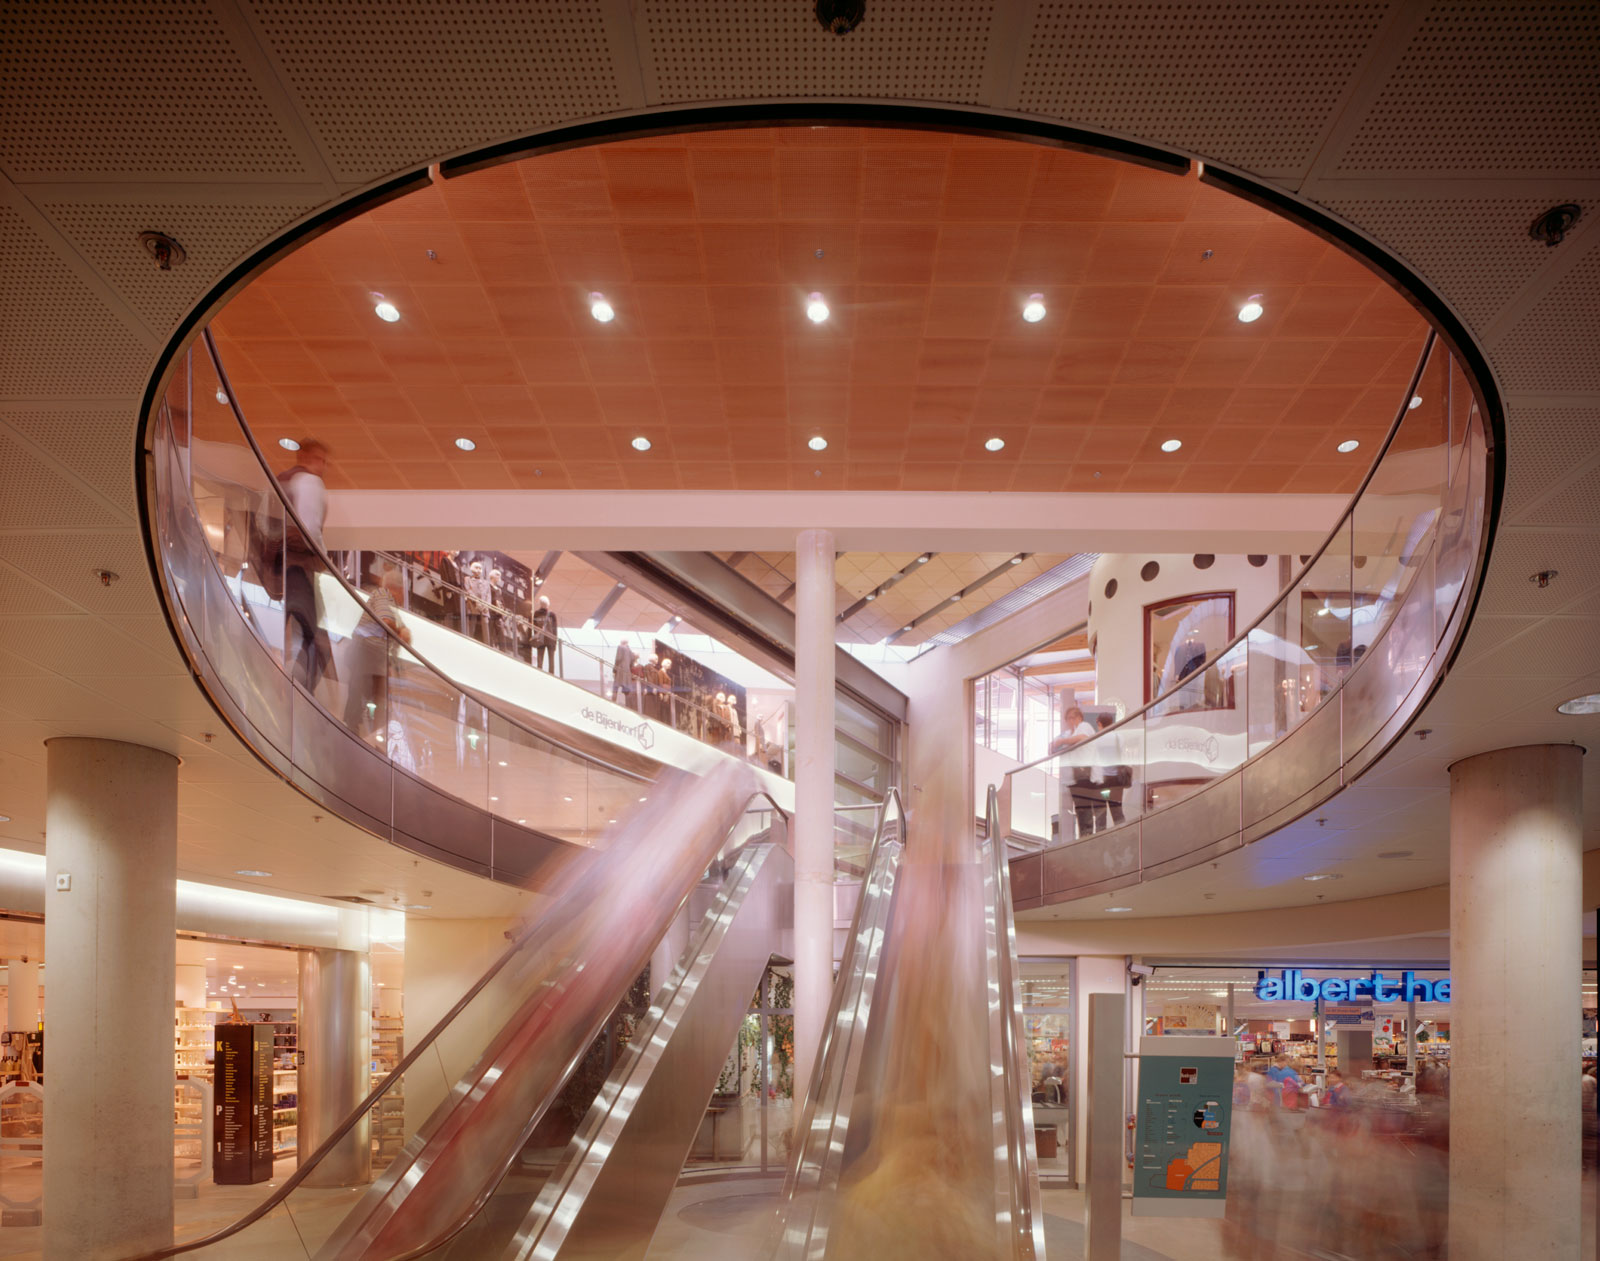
1048,1019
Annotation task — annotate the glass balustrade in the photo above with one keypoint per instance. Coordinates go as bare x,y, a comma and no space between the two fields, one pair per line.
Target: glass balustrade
1302,699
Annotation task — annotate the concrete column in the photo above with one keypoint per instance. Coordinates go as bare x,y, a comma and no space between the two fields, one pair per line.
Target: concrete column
111,858
1094,974
22,994
1516,936
335,1037
814,611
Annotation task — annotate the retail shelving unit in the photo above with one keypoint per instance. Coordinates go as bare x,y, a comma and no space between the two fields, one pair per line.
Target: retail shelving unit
194,1041
285,1111
388,1120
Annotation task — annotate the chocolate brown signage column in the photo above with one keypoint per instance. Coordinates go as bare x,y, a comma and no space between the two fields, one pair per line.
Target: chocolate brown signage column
241,1144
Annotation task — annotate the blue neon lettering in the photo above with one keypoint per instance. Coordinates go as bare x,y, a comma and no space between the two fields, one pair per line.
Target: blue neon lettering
1293,985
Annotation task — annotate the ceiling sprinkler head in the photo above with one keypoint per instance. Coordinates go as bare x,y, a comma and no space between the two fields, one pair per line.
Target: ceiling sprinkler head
1553,225
840,17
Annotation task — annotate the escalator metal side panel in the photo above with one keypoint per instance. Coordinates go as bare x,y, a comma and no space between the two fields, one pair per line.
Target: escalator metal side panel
612,1189
804,1214
1017,1204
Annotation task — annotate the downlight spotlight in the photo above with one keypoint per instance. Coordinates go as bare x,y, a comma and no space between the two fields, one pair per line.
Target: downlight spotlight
641,443
386,311
994,444
288,444
1251,311
819,443
466,444
816,309
1347,446
600,308
1033,309
1171,445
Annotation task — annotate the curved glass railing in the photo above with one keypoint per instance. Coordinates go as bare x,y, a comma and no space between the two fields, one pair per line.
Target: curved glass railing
1275,723
336,701
526,1019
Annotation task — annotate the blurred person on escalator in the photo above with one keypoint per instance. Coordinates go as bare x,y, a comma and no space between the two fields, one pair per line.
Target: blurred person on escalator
372,654
1111,774
307,493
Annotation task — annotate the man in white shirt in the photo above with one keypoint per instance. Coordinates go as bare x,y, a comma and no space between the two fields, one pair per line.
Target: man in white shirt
1075,786
369,655
307,494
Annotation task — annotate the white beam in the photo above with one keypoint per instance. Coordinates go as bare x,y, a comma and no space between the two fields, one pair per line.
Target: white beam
676,520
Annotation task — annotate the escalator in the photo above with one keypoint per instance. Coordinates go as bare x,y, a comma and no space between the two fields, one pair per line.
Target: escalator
462,1177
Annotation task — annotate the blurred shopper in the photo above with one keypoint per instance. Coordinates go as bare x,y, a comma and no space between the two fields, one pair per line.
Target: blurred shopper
366,695
451,594
546,630
478,602
1591,1120
1113,775
623,690
501,636
307,493
1077,792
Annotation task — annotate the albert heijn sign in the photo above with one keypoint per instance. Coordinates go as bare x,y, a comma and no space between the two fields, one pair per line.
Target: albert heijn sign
1296,986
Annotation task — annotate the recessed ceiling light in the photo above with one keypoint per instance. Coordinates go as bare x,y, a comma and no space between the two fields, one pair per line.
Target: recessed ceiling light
819,443
924,558
1016,560
288,444
1251,311
502,764
1589,704
641,443
1416,402
419,906
816,308
1033,308
466,444
5,818
238,967
251,871
494,799
222,396
1348,445
995,444
521,820
1322,875
1117,910
566,799
871,595
386,311
600,308
1171,445
211,958
955,597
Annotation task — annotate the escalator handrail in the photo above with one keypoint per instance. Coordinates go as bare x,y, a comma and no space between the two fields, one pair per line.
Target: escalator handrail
1293,584
518,940
291,515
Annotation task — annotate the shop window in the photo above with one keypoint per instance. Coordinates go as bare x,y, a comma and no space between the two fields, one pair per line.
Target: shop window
1179,635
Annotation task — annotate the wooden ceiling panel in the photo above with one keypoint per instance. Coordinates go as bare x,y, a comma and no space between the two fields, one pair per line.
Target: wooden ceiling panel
925,247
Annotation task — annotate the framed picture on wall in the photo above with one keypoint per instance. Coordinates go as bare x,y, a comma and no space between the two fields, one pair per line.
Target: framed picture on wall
1179,636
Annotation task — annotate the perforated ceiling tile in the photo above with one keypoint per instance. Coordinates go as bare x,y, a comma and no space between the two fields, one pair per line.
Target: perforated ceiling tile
386,87
67,563
1520,552
36,495
96,445
1543,446
1477,250
56,337
1250,84
1552,348
214,236
1565,647
127,90
1576,504
18,595
1489,87
86,646
929,50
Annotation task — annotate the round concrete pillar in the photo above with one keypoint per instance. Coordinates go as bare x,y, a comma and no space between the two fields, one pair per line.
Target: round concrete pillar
814,610
335,1039
1516,937
111,856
